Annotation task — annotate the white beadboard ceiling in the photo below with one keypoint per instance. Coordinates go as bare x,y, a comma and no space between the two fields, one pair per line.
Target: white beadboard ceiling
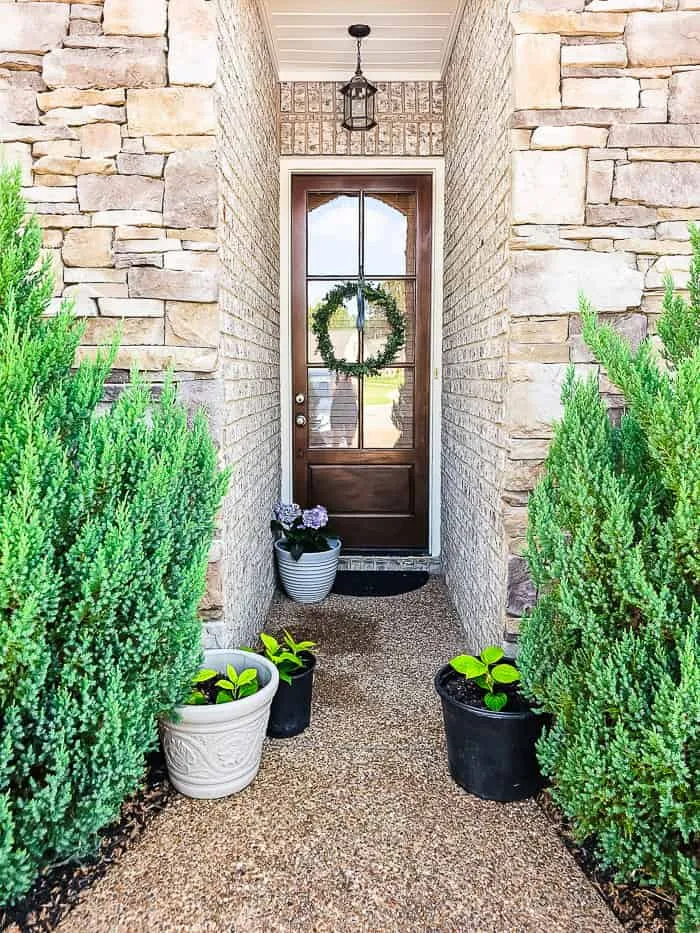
411,39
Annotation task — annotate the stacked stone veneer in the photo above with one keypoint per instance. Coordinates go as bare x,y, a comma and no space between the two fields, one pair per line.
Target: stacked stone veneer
410,117
110,107
606,175
475,314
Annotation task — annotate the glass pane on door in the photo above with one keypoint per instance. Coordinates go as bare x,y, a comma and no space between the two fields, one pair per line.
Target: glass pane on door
334,410
342,327
377,328
333,231
390,234
388,413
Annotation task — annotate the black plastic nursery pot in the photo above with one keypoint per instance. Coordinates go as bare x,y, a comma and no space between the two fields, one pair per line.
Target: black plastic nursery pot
290,713
491,755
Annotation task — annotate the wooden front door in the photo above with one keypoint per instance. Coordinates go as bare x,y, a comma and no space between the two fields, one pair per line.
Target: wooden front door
361,443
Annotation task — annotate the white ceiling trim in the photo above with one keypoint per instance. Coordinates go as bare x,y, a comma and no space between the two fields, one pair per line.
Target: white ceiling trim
411,39
452,38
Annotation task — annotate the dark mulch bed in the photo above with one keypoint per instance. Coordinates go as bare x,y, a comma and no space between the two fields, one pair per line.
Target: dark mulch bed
57,891
639,910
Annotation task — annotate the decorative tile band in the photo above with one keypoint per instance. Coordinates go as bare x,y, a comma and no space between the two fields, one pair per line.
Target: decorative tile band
410,117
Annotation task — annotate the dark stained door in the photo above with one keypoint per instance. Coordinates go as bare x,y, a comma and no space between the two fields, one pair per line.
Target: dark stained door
361,444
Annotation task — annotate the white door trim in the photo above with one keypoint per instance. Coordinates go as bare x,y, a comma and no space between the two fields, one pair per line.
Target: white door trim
339,165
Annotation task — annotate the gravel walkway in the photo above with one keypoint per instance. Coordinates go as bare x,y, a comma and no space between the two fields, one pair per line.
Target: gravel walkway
355,825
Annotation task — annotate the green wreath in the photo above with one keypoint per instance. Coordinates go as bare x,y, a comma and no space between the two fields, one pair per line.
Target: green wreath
334,300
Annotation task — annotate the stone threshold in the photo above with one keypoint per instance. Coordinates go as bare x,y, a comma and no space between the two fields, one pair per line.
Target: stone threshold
391,562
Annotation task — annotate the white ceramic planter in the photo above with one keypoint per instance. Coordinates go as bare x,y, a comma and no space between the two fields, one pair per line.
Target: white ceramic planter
309,579
215,750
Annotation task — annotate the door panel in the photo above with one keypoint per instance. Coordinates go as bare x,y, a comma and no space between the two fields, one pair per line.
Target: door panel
361,448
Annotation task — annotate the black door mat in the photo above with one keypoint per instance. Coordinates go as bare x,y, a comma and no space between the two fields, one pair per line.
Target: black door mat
378,582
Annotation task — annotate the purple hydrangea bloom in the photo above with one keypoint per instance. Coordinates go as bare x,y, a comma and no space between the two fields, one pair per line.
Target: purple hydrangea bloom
286,514
315,518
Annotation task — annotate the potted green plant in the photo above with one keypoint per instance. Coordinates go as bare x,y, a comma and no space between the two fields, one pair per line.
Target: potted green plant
291,707
490,729
213,742
307,554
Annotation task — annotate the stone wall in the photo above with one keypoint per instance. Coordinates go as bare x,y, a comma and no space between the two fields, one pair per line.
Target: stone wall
111,108
606,175
475,336
410,117
249,233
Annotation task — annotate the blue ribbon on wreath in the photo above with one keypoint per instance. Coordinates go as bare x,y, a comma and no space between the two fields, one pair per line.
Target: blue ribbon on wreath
361,309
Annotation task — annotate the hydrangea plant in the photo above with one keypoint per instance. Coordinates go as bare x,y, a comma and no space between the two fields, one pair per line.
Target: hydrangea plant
486,672
301,530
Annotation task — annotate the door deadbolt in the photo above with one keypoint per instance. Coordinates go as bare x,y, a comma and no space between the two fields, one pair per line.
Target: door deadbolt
300,420
300,398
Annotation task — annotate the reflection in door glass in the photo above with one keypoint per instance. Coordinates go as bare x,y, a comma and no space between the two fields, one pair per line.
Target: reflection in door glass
342,327
390,234
377,329
333,224
388,410
333,410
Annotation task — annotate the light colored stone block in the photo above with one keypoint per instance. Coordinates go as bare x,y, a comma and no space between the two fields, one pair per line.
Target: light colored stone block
172,285
600,92
671,38
74,97
536,68
70,165
134,17
82,116
119,192
599,183
606,54
191,190
549,187
172,110
656,135
88,247
569,24
167,144
159,359
548,283
662,184
192,53
136,164
78,275
667,154
33,27
100,139
534,397
131,307
18,154
18,105
135,331
105,68
186,260
684,97
569,137
116,218
192,324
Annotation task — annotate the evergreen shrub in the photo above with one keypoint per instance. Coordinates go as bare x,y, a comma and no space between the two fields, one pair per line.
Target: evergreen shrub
612,648
106,522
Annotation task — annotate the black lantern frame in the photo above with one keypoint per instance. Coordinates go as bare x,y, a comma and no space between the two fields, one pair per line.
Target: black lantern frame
359,93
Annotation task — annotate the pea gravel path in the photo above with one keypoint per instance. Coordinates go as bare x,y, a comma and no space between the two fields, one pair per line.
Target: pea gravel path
355,825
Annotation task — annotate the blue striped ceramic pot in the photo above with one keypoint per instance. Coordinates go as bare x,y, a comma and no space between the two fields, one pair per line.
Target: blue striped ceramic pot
309,579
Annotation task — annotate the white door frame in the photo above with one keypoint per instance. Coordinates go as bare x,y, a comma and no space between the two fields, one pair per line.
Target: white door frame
346,165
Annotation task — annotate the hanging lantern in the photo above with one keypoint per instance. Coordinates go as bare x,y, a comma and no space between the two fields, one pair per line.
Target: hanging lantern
358,92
